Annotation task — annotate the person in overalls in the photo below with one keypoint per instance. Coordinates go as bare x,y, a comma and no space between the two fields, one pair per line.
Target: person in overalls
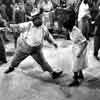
79,49
47,7
30,42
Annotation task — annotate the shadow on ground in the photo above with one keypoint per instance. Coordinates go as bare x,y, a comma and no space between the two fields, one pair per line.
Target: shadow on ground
93,83
46,77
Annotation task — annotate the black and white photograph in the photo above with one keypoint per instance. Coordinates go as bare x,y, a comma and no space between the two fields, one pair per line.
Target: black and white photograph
49,49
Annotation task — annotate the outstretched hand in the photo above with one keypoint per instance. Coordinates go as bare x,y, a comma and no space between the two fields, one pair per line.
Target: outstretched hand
55,45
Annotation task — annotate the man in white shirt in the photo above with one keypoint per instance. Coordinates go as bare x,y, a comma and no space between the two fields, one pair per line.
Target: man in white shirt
83,17
30,42
47,6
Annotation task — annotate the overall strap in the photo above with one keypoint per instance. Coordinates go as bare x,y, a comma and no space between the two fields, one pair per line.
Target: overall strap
28,31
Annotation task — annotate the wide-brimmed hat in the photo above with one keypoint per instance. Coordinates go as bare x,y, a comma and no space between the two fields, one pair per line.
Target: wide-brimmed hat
36,12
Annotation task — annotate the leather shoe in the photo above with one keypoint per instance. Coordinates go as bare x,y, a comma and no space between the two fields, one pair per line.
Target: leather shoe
9,70
56,74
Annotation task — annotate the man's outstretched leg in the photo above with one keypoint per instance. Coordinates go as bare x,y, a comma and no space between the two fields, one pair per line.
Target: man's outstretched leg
18,57
38,56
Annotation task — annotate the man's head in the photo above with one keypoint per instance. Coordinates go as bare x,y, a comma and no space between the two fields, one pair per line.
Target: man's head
85,1
37,20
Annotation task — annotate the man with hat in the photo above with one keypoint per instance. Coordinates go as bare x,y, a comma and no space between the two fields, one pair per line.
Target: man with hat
30,42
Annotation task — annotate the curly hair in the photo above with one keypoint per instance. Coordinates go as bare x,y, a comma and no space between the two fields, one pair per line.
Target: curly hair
69,23
37,21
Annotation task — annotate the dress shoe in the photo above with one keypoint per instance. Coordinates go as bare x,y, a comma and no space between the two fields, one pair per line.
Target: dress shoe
9,70
56,74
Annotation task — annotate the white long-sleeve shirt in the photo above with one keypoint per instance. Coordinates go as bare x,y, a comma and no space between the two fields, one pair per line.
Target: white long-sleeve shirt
32,35
83,10
46,6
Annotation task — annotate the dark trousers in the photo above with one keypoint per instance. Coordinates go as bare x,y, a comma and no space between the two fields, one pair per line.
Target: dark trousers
36,53
16,35
96,45
84,27
2,51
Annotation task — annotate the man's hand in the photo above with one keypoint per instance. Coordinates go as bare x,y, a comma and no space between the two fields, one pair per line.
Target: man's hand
55,45
78,56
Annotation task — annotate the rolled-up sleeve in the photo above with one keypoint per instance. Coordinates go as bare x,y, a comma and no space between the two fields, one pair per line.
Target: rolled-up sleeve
22,27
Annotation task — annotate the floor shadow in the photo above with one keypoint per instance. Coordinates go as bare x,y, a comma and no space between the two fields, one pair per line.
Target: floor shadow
5,84
62,80
38,75
92,83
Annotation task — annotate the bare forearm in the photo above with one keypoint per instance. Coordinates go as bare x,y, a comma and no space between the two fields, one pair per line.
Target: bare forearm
50,39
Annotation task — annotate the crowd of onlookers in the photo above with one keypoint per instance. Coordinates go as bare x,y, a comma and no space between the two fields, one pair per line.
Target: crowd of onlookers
15,10
19,11
11,11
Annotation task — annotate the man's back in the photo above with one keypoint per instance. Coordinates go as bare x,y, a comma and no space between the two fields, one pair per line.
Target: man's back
83,10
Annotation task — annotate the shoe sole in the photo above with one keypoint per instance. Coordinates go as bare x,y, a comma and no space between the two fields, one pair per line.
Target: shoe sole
58,75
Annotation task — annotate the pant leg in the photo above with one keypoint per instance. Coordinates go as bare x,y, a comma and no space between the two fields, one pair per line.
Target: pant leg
2,51
84,27
16,35
96,45
51,19
15,42
80,25
38,56
18,57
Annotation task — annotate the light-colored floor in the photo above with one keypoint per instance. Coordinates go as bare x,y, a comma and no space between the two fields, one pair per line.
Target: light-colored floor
28,82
